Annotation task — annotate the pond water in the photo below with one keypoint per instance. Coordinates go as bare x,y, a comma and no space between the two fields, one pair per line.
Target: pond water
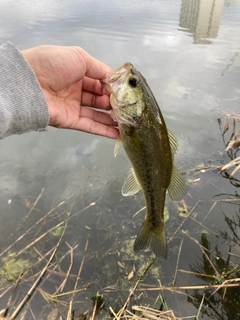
189,53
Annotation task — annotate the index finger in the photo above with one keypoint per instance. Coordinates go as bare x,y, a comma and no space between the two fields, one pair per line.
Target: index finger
95,69
93,86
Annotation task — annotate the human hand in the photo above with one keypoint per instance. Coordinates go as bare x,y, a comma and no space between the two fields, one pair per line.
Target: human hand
69,78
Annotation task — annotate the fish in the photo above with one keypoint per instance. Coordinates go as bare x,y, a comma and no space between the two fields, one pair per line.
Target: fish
150,147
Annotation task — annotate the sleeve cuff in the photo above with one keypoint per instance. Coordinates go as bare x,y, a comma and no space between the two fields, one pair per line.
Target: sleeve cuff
23,107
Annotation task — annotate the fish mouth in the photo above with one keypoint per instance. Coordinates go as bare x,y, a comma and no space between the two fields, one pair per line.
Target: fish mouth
115,76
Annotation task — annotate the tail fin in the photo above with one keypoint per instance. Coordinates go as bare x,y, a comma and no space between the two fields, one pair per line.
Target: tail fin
153,239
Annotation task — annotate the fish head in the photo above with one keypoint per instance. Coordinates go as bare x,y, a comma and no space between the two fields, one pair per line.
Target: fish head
126,94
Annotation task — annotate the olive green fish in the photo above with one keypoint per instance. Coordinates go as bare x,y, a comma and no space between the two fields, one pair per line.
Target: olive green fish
150,147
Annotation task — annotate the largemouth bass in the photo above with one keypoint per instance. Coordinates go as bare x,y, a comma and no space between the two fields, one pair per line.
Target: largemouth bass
150,147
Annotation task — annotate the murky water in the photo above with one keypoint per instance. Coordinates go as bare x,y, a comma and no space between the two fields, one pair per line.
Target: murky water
189,52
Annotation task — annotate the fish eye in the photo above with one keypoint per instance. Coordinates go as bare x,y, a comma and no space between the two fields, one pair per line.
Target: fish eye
133,82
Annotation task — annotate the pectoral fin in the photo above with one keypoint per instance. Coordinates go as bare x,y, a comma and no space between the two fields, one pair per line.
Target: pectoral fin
117,146
131,185
177,188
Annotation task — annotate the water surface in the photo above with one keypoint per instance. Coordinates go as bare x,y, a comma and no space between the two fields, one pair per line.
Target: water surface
189,53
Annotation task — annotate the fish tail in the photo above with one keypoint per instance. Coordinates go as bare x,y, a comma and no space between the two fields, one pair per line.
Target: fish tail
153,238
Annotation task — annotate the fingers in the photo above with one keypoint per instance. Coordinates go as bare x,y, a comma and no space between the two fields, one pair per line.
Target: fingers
96,122
94,95
93,85
95,101
99,117
91,126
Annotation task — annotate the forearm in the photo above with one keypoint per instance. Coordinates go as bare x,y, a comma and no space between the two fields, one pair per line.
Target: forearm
23,107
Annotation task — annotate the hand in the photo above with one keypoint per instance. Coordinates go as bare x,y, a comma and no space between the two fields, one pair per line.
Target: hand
69,78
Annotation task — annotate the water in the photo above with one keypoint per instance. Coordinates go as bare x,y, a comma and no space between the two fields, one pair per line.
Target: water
189,53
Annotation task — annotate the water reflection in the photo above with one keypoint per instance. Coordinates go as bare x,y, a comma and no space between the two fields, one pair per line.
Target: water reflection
231,138
218,266
187,82
201,18
221,302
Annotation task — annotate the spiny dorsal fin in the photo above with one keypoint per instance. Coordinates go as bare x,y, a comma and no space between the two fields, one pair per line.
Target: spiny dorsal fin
117,146
173,141
177,188
131,185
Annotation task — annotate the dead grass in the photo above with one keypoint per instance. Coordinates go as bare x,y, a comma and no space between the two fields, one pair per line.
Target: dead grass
63,301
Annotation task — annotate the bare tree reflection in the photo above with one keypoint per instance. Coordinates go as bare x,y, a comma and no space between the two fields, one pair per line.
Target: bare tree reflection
234,226
222,303
231,139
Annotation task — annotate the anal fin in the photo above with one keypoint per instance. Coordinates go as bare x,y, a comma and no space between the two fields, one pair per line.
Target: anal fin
131,185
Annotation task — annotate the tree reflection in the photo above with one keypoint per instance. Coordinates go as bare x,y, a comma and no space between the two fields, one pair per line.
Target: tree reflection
233,180
231,139
234,226
223,302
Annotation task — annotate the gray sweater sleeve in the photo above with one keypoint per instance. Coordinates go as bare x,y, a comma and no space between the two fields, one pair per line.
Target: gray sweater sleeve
23,107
